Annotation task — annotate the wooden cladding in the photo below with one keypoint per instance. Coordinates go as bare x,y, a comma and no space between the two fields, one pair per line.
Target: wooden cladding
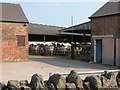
21,40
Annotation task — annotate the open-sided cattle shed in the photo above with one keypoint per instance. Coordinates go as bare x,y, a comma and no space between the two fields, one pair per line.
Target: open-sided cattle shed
43,33
80,33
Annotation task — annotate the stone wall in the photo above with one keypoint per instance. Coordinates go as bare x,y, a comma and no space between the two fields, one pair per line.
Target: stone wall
71,82
10,50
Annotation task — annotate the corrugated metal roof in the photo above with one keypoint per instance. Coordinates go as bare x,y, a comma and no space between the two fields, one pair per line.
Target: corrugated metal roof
78,34
12,12
39,29
110,8
83,26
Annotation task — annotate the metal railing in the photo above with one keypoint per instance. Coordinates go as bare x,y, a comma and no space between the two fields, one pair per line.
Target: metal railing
88,72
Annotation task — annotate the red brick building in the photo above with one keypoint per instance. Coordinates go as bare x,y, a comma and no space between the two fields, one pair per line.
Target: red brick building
105,29
13,33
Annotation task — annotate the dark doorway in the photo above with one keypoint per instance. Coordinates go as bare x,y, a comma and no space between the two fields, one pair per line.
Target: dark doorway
99,51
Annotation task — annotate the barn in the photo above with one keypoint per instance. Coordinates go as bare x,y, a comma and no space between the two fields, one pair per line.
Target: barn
13,33
81,33
43,33
48,33
105,31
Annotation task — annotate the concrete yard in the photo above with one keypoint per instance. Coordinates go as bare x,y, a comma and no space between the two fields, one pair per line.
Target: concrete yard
44,65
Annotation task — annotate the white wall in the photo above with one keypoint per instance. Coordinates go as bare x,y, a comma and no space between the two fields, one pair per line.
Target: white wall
118,52
108,51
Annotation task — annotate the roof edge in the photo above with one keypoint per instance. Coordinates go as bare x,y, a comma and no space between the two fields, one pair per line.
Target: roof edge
13,21
104,15
10,3
76,25
47,25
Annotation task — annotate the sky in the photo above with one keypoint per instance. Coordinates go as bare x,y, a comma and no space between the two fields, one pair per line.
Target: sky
59,13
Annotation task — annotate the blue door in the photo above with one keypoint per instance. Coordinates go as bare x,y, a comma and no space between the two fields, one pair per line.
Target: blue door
99,51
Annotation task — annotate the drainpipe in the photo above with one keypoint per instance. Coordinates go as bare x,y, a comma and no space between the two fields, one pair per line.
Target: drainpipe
114,51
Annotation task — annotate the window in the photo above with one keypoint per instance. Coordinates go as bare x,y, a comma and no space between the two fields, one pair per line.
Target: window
21,40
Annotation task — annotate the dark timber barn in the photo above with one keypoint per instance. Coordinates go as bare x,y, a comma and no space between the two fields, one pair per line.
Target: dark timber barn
105,28
13,33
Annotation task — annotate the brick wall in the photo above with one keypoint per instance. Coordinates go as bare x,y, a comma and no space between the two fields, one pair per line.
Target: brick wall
10,49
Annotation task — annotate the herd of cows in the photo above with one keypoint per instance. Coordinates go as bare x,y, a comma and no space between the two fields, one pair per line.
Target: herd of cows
50,49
